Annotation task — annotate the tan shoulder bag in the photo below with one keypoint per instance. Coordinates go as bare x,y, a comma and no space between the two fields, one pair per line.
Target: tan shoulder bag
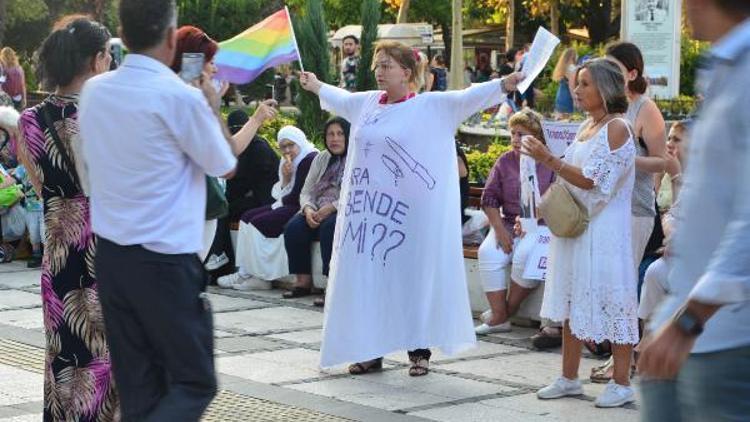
564,214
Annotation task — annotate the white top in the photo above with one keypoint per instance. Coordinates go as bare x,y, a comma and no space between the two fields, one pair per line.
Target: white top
148,140
591,278
397,277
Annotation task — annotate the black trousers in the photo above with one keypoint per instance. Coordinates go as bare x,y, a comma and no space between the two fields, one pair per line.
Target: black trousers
298,240
160,332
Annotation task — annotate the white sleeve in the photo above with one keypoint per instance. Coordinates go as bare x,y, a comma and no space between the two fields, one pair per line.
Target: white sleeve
463,103
200,136
605,167
342,102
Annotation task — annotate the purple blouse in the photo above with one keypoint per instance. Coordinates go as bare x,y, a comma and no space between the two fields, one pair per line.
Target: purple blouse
503,187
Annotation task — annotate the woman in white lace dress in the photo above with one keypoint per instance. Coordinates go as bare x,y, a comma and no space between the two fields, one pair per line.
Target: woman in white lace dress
591,282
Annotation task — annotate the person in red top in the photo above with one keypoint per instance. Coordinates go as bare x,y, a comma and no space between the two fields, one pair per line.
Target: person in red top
15,80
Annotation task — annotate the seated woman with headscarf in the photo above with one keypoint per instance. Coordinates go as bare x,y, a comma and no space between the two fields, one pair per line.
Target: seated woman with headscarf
260,254
319,200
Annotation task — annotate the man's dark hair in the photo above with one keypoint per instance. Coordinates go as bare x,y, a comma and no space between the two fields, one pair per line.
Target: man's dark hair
735,6
351,37
144,23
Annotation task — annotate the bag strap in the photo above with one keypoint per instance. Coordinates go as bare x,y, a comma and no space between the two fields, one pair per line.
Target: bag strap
60,146
7,138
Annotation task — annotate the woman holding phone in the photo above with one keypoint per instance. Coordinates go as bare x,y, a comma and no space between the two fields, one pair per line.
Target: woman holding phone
194,61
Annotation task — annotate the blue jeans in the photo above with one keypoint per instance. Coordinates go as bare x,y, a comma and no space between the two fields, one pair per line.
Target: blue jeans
710,387
298,240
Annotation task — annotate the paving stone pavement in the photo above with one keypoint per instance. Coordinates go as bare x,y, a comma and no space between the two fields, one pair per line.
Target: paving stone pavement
267,352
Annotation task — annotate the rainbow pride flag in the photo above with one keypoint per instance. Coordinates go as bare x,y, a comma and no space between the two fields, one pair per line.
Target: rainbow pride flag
266,44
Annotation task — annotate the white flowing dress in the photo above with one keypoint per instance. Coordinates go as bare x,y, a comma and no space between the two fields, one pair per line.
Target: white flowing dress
591,280
397,277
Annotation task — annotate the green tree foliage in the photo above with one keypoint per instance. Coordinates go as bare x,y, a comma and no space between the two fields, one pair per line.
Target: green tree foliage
370,19
223,19
312,38
690,53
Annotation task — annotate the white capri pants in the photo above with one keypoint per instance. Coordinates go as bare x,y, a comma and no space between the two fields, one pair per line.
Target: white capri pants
493,262
655,288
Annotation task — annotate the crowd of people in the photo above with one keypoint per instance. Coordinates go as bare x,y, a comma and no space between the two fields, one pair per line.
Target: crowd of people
134,173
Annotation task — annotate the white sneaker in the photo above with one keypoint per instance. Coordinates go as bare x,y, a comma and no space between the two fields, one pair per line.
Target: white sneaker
489,329
615,395
228,281
562,387
486,315
252,283
215,262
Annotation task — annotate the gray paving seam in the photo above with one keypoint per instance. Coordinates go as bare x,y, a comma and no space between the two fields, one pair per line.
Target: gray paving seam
21,409
301,399
260,298
488,380
397,366
241,333
26,336
244,308
467,400
21,270
21,308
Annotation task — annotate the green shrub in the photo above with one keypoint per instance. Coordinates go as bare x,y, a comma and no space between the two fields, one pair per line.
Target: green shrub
481,162
30,75
690,53
678,108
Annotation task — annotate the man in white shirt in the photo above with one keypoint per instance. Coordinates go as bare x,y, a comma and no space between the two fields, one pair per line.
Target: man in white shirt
697,366
148,140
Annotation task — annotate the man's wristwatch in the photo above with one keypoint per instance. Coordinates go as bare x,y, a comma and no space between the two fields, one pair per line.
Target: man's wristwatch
688,323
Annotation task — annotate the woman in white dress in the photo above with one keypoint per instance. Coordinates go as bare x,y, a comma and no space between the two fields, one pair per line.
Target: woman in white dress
591,284
397,278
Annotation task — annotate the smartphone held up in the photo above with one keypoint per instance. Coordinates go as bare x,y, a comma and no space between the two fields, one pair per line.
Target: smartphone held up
192,66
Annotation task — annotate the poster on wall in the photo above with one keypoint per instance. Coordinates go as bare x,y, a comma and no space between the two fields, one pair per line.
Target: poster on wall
655,27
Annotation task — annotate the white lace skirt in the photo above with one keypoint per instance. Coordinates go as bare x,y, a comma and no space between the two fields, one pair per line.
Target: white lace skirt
262,257
592,283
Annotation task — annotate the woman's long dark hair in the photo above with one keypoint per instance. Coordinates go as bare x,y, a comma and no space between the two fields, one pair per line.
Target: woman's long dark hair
345,126
67,52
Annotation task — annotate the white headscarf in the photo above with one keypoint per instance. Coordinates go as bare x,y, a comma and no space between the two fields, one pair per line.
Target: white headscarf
294,134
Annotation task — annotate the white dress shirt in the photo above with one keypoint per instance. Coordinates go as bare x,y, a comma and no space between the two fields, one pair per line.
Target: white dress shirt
712,240
148,140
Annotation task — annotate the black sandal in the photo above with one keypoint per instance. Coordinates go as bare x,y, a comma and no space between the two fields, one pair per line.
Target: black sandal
419,367
361,368
297,292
